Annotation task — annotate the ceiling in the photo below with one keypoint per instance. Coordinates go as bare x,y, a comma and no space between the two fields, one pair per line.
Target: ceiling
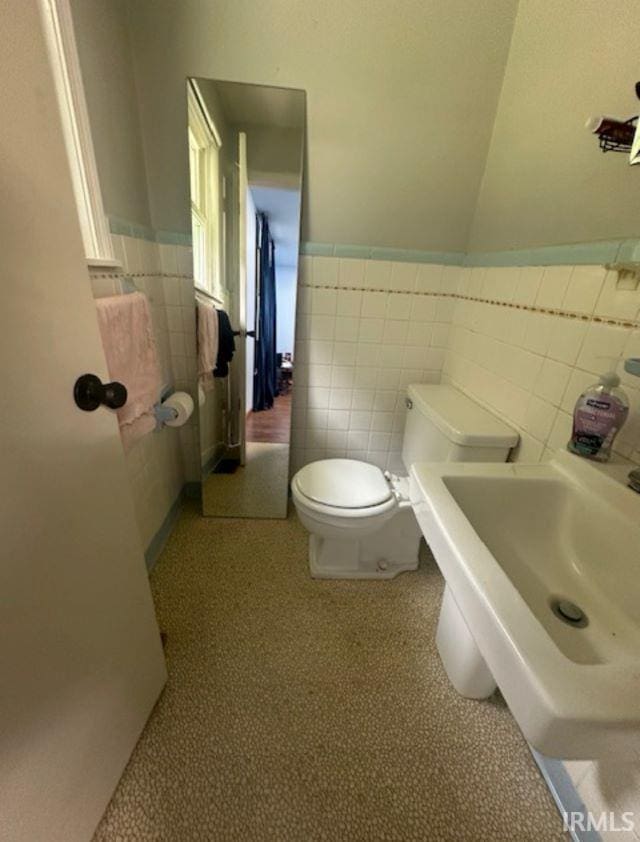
261,105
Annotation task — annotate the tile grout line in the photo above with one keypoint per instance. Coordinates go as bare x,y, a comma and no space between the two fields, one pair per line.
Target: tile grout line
532,308
122,273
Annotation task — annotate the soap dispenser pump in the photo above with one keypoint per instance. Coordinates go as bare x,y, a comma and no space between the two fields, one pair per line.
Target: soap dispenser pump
598,416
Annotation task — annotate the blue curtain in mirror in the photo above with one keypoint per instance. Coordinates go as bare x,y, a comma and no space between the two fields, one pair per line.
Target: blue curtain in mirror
265,378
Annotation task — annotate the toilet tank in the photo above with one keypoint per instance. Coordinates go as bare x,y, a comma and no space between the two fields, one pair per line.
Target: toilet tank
444,425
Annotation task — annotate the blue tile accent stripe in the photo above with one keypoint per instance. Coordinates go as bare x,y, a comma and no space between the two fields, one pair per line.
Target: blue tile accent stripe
451,258
173,238
596,253
322,249
119,226
575,253
564,794
191,490
156,545
363,252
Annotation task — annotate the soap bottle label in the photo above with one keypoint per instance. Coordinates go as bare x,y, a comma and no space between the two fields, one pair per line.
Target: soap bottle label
596,421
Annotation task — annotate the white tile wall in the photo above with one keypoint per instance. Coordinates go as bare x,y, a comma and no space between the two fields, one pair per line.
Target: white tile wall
160,463
176,266
365,330
530,367
356,351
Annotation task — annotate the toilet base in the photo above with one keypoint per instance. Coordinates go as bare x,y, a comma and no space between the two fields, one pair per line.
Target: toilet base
382,554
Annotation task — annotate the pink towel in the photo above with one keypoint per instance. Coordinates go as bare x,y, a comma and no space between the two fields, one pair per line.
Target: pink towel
132,359
207,343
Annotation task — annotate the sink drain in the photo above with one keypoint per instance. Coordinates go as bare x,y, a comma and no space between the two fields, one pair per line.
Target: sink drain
569,613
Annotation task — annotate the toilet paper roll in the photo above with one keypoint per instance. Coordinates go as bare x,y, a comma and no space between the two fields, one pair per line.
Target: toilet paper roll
183,405
202,395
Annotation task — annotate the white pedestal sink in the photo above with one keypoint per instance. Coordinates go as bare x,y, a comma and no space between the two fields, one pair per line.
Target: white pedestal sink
542,570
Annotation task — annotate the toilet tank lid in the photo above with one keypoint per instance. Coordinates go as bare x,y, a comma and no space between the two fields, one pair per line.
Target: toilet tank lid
461,419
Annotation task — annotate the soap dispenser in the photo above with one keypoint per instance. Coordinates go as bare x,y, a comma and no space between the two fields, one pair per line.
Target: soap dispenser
598,416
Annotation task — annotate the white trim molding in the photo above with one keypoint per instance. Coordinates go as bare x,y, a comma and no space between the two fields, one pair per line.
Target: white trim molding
201,113
65,65
207,208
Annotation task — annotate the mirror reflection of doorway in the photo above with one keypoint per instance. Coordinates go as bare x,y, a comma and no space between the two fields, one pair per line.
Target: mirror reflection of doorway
271,295
245,416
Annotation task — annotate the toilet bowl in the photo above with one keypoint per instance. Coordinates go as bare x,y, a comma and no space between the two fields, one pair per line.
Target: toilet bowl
360,519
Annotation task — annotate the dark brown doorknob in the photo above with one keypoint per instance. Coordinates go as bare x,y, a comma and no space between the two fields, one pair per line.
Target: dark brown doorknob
90,392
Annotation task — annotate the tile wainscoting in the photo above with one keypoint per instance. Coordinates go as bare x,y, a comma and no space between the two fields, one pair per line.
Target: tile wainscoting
365,330
524,341
161,463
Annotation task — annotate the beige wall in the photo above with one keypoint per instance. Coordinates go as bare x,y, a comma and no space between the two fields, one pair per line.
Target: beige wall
389,158
400,101
274,155
546,182
105,56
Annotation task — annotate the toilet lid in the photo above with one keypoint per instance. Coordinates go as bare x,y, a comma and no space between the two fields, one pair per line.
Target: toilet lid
343,483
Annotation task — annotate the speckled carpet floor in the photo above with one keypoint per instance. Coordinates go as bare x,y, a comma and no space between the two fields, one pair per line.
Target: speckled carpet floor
310,710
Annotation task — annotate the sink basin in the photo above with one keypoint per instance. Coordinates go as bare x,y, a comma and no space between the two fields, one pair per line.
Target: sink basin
542,566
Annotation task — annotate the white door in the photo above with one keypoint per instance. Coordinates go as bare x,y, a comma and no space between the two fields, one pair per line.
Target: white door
81,663
241,366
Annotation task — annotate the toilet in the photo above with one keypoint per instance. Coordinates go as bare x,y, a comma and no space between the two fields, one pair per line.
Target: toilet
360,519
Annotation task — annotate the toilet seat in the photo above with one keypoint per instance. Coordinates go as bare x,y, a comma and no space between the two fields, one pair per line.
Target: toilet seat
346,489
343,484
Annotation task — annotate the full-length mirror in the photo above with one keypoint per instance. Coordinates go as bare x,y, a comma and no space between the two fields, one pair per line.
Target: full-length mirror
245,155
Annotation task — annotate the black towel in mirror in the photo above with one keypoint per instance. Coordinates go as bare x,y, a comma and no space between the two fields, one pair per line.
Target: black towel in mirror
226,345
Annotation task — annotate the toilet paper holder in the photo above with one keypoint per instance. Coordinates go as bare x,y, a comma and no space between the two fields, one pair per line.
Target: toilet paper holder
166,415
163,414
